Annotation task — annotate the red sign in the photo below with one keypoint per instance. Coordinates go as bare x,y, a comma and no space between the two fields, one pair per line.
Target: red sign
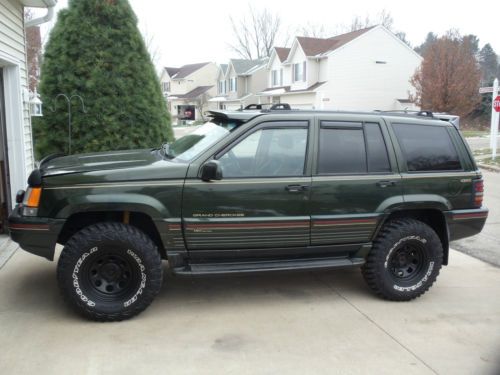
496,103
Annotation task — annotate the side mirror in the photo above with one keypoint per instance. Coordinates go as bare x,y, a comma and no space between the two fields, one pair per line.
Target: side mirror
211,171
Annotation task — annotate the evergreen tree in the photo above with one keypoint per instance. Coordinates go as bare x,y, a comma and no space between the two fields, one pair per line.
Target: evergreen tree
488,60
96,51
429,40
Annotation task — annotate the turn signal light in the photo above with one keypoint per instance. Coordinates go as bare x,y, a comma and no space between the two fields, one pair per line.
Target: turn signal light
33,195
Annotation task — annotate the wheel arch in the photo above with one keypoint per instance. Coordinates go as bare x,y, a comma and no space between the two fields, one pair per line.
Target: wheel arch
139,219
432,216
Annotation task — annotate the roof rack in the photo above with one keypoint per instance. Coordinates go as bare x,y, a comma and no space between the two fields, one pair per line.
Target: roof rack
453,119
272,107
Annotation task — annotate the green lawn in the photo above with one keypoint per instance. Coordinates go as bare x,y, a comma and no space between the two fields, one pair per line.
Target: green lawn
484,151
495,162
475,133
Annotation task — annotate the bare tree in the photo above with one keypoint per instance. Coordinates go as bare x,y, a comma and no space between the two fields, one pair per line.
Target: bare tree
151,46
255,34
313,30
448,79
383,18
200,102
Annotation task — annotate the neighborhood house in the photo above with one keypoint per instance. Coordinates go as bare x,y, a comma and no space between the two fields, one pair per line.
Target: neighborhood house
16,144
367,69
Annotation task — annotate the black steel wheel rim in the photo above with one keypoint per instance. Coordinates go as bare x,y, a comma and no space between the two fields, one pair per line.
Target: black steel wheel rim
110,276
408,261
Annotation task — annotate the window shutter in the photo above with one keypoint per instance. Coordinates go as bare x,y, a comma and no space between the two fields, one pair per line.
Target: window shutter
304,73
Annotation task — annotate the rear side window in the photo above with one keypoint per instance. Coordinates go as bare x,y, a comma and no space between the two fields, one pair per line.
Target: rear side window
427,148
351,148
341,151
378,160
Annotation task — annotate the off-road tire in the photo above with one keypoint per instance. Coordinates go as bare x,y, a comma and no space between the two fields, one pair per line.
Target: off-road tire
109,271
385,267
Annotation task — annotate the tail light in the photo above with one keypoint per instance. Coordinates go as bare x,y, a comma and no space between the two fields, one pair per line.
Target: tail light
478,192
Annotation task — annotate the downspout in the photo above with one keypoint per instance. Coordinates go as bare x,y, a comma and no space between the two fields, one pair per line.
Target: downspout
38,21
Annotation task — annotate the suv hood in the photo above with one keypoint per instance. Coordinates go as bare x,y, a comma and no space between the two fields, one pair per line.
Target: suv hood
98,161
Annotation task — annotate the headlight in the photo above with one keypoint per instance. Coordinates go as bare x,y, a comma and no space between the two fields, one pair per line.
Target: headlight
31,201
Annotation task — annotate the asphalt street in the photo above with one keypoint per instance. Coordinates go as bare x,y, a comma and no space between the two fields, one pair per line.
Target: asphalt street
476,143
486,245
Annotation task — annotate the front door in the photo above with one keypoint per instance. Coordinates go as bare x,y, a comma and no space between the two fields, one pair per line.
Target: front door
260,207
355,180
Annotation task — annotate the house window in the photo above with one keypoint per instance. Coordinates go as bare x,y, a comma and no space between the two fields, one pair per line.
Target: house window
232,84
277,77
299,72
222,87
165,86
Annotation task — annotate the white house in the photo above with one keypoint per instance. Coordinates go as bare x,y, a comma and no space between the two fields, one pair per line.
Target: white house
239,81
16,143
188,89
367,69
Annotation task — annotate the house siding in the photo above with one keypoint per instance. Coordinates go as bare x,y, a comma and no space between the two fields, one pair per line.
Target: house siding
12,45
356,82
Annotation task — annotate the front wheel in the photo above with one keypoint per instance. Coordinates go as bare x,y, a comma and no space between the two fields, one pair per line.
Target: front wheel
109,271
405,260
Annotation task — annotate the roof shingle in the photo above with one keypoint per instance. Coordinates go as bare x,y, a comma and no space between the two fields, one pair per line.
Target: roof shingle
318,46
282,53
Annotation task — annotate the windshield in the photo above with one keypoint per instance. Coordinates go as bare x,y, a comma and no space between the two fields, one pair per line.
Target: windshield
193,144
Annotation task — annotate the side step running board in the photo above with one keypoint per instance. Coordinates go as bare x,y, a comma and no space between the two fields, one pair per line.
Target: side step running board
200,269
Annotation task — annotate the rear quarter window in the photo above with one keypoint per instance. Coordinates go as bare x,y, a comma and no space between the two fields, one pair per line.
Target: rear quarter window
427,148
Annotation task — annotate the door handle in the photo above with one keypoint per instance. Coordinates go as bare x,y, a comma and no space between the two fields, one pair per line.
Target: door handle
386,183
296,188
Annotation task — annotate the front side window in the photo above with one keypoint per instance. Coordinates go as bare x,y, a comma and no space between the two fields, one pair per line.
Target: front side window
427,148
276,152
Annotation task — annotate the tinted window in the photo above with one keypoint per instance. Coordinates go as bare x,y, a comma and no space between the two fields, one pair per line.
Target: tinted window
427,148
378,161
341,151
267,152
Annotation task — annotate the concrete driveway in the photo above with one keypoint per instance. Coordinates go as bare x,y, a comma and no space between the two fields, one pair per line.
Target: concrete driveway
302,323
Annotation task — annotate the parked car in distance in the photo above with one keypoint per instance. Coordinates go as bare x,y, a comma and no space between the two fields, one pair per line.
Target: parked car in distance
255,191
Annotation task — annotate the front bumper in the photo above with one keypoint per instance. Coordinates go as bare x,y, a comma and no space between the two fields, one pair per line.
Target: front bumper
465,223
37,235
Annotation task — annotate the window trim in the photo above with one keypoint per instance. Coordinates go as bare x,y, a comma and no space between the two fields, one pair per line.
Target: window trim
402,157
353,125
272,124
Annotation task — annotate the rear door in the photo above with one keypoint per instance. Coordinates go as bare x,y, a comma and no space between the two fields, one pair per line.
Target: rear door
261,203
355,179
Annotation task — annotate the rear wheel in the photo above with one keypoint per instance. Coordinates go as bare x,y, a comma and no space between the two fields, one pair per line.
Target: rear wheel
110,271
405,260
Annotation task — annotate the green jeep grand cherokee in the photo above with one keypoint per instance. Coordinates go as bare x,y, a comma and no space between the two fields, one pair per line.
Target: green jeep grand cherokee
255,191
